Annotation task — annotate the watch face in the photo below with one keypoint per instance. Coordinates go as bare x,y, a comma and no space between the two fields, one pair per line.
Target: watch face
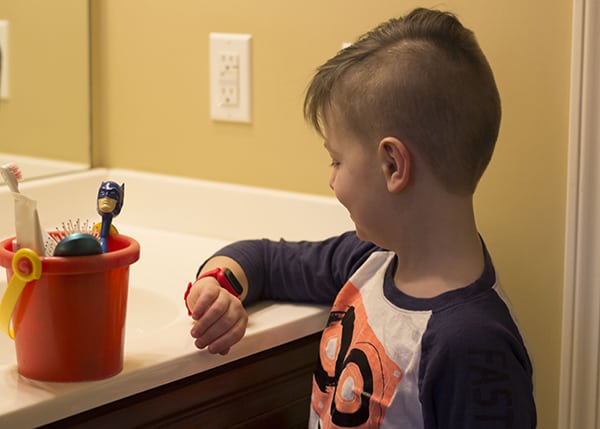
226,279
233,281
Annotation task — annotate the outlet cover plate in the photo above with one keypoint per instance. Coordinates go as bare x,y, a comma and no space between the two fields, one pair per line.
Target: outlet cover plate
230,77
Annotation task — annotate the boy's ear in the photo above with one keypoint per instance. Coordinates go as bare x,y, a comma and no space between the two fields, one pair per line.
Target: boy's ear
396,163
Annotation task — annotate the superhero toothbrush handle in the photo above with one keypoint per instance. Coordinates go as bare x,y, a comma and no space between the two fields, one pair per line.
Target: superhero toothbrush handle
105,230
109,204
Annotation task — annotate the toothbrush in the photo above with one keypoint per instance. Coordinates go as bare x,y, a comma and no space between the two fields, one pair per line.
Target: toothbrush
109,204
27,221
11,173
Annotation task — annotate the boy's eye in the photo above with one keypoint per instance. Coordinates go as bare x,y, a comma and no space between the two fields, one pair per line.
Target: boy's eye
334,163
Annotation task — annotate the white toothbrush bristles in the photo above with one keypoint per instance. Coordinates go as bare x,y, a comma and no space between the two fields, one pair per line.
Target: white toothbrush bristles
16,170
11,173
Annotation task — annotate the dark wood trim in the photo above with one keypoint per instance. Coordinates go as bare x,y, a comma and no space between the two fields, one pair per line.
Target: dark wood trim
270,389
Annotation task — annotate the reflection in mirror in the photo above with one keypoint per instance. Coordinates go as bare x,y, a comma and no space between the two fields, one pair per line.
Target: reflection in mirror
45,120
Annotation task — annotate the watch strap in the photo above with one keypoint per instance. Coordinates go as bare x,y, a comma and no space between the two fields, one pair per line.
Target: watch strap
226,279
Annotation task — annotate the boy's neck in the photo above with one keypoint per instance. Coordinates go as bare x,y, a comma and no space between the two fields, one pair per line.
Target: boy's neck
439,253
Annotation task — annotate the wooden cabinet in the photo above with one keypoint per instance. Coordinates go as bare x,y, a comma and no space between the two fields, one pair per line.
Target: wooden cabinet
270,389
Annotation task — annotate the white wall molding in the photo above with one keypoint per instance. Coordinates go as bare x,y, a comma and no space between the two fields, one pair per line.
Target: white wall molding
579,402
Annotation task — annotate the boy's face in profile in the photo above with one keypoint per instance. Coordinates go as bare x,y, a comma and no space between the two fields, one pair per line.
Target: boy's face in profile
356,178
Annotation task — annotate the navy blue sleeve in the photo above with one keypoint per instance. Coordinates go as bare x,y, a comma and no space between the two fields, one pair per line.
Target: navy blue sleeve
475,372
298,271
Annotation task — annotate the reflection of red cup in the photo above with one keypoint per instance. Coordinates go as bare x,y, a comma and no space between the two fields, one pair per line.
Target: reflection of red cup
70,324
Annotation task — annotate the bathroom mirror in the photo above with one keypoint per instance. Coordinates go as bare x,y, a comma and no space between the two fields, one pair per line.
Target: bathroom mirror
45,121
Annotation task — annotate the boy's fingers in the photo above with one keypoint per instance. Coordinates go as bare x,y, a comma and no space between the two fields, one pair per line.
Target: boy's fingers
226,326
223,343
214,316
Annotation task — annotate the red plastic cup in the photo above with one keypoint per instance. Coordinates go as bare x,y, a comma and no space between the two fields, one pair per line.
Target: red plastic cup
70,323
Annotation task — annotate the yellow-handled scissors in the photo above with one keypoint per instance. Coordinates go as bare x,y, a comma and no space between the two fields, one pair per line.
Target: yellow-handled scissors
26,266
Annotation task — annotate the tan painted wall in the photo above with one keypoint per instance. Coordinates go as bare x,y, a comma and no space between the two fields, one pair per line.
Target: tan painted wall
151,112
48,112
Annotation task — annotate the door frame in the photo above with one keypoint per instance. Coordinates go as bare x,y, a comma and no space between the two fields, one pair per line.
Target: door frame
579,403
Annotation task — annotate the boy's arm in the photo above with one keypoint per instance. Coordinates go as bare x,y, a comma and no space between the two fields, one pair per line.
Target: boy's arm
298,271
280,270
477,375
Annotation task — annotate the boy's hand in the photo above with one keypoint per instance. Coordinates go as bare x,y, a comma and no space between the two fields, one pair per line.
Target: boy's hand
220,319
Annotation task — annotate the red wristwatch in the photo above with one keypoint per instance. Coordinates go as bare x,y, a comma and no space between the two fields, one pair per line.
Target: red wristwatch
226,279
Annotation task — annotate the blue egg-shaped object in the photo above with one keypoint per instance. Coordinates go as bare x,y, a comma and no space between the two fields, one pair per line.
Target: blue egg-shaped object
78,244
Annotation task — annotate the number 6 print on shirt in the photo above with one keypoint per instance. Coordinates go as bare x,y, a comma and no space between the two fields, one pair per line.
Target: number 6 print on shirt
355,380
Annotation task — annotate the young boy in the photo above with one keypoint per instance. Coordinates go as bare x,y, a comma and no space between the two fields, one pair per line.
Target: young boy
419,335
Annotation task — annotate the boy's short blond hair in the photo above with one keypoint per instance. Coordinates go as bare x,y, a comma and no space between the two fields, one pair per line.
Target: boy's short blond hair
423,79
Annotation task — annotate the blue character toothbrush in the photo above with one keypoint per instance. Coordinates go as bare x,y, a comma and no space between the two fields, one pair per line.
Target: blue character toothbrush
110,202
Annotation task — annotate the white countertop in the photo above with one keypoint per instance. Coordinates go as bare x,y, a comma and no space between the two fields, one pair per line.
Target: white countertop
178,223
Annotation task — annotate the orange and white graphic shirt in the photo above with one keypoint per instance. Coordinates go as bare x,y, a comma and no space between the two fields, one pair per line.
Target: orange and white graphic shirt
388,360
370,350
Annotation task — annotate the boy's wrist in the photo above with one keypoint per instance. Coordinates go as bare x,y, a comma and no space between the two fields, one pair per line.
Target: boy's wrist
224,277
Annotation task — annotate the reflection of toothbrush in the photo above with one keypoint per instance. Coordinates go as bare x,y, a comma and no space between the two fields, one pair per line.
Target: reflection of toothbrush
11,173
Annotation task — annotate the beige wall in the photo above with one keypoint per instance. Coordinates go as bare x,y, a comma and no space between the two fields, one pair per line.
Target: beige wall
151,113
47,114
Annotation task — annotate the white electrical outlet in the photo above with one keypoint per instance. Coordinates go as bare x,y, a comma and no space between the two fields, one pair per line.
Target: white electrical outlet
230,77
4,93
